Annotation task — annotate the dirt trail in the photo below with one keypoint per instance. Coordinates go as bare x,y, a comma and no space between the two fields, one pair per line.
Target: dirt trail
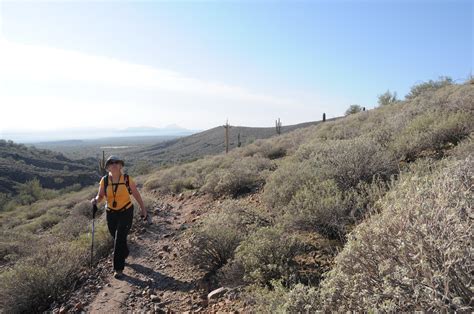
157,278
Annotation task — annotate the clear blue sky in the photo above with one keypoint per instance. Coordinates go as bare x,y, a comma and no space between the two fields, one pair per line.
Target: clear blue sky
318,56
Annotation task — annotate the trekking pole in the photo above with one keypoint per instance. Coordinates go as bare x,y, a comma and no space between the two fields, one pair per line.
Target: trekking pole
94,210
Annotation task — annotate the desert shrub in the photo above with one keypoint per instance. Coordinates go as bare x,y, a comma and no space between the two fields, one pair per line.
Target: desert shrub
302,299
31,191
350,161
268,254
267,299
416,253
181,184
214,241
15,245
4,199
353,109
279,299
282,184
387,98
432,131
141,167
346,162
33,283
83,208
464,149
429,86
242,176
72,188
173,179
265,148
321,206
72,227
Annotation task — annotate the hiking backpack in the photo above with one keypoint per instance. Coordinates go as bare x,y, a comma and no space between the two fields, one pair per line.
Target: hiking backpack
125,178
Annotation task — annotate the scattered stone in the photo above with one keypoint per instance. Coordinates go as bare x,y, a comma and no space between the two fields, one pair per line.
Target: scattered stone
215,294
161,255
158,309
108,285
105,294
79,306
154,298
166,248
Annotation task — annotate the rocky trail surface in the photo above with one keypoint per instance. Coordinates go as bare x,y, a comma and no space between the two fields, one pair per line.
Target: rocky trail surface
158,277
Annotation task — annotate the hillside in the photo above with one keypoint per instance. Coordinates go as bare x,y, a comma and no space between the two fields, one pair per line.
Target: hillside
19,164
370,212
209,142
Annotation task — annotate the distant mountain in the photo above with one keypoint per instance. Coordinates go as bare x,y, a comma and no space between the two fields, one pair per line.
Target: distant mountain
92,133
209,142
19,164
172,129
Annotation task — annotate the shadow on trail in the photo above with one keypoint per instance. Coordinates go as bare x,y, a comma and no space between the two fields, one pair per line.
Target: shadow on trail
160,281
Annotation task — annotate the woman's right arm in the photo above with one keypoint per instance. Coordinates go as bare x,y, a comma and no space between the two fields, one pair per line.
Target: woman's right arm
100,194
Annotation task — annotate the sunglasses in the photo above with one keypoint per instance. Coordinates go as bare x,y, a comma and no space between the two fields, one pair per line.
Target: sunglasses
114,163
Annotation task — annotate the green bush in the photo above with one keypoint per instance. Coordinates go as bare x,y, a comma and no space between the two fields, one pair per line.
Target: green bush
432,131
268,254
266,149
302,299
141,167
33,283
282,184
242,176
267,299
353,109
214,241
279,299
320,206
429,86
83,208
416,254
345,162
387,98
4,199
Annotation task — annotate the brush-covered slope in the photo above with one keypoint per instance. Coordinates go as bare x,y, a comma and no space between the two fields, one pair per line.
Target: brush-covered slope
209,142
392,187
19,164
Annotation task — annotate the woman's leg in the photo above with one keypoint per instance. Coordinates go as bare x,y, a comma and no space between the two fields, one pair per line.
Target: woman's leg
120,247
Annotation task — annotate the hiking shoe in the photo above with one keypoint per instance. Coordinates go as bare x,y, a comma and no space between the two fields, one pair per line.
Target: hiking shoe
118,274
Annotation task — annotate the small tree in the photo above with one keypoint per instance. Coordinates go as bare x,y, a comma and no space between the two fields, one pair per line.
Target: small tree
353,109
387,98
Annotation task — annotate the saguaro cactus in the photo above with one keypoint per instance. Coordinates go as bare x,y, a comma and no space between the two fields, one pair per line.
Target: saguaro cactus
227,127
239,143
324,117
102,169
278,126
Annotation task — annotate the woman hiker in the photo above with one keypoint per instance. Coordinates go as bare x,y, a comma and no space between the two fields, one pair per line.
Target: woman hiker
116,188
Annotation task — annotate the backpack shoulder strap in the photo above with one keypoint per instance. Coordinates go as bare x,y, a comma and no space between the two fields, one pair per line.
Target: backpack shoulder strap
106,183
127,183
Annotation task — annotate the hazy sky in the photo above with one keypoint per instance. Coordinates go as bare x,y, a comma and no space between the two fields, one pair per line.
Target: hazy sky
68,64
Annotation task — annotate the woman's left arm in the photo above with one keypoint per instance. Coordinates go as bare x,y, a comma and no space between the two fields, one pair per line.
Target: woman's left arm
138,197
